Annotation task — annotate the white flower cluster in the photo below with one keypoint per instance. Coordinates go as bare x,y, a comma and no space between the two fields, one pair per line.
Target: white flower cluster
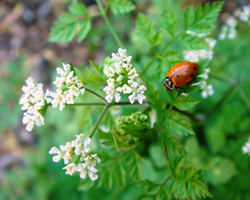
207,89
246,148
68,86
33,101
228,30
79,147
202,54
122,76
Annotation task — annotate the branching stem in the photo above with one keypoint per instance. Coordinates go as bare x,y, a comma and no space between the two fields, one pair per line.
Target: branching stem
117,39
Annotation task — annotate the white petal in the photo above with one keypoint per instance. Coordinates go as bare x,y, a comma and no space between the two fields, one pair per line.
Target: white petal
56,158
87,141
92,176
132,98
54,150
117,97
142,88
29,126
140,98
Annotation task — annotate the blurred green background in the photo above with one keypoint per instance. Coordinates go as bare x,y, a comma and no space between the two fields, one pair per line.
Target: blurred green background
221,122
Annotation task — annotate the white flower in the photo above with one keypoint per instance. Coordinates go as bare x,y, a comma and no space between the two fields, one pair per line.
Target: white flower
126,89
232,33
133,74
112,92
205,74
207,89
92,159
246,147
192,56
119,78
231,22
223,32
108,71
211,42
71,168
137,93
121,56
33,101
86,169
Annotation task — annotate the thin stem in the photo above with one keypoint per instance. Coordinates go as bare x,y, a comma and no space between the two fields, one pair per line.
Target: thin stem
99,120
163,184
117,39
155,57
78,158
96,94
243,96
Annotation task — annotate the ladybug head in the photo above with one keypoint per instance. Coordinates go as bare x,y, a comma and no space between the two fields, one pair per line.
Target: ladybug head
168,84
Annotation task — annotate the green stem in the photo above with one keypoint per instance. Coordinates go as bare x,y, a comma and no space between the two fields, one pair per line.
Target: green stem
96,94
117,39
127,103
99,120
78,158
163,184
155,57
166,152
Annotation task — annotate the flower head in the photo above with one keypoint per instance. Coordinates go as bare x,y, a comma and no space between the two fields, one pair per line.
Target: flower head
122,77
33,100
80,148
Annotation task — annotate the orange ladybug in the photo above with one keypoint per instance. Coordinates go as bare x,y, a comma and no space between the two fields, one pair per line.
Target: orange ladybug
180,75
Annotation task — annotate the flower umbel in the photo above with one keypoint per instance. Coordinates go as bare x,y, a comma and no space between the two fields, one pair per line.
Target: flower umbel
33,100
122,77
80,148
68,87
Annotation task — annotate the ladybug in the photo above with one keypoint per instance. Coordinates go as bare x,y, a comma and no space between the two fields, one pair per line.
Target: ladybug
180,75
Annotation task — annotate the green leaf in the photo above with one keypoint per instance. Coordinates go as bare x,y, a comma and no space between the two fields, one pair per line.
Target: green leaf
134,167
84,28
185,102
168,21
189,183
147,185
189,16
106,139
170,59
177,123
121,6
201,19
67,26
78,9
119,174
146,30
72,69
193,42
154,99
174,147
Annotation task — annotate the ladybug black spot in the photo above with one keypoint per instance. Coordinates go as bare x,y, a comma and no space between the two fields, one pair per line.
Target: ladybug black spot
184,82
195,68
177,76
177,83
186,71
192,75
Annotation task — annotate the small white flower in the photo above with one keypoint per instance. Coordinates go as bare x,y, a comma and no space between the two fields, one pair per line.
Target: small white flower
192,56
246,147
211,42
137,93
119,78
71,168
231,22
112,92
126,89
133,74
205,74
108,71
232,33
207,90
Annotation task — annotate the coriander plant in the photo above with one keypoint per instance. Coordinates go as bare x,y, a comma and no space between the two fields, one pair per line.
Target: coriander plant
136,112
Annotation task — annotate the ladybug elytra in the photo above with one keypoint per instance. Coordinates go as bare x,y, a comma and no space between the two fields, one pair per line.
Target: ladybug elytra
180,74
